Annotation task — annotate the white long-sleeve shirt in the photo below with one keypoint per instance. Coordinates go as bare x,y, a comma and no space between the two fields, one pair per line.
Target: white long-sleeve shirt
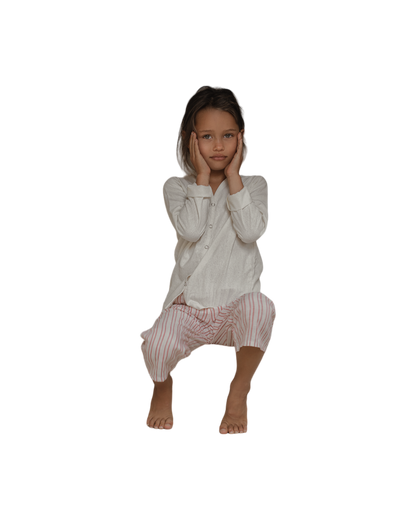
217,258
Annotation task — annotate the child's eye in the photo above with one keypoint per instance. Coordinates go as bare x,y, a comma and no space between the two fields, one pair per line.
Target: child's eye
210,134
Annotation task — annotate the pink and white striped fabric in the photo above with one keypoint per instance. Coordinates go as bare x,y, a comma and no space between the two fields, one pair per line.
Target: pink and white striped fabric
180,329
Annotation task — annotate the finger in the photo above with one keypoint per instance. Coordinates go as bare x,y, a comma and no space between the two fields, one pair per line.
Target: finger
197,145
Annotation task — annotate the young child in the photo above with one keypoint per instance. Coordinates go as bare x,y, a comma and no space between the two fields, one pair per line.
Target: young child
214,295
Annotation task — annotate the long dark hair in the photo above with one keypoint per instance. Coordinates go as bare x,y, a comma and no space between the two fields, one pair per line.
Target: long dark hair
216,96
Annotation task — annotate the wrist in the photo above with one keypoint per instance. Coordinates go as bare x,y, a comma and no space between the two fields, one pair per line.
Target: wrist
202,178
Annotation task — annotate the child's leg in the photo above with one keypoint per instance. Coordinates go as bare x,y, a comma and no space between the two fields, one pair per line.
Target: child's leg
160,414
235,417
248,359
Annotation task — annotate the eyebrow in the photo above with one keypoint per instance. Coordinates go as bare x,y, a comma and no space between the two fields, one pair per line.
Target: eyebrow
228,130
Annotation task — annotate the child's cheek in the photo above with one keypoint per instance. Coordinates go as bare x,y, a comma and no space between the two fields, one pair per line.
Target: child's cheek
203,146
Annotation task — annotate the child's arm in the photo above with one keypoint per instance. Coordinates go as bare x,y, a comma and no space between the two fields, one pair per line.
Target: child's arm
187,209
250,213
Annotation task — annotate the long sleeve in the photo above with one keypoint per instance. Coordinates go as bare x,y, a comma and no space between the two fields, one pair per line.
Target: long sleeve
217,258
188,210
249,212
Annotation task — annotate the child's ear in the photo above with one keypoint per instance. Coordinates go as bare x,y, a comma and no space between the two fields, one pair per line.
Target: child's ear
242,132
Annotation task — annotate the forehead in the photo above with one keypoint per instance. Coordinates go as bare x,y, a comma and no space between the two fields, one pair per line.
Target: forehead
214,119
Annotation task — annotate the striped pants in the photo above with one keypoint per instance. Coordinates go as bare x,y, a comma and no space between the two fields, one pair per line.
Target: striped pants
180,329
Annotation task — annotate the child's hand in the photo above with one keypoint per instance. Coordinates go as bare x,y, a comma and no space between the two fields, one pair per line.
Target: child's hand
234,167
197,160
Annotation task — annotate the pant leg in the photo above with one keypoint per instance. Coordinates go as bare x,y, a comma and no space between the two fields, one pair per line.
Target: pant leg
246,322
174,335
253,317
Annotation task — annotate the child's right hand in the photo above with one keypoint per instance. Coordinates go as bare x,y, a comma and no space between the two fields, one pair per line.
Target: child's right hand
197,160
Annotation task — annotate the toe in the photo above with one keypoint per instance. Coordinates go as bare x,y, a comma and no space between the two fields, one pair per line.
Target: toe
156,425
231,428
168,425
223,428
162,423
150,422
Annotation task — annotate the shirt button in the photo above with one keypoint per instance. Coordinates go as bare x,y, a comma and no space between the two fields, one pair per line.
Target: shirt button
210,225
212,203
206,247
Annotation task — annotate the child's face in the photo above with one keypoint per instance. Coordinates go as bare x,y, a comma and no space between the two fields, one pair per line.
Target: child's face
221,139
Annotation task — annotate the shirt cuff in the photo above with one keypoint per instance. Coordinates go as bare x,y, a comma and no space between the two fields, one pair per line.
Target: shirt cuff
239,200
199,190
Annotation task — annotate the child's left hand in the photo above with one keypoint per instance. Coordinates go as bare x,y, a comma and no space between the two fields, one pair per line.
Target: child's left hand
234,167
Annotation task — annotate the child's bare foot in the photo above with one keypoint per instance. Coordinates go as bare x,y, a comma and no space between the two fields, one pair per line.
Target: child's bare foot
160,415
235,418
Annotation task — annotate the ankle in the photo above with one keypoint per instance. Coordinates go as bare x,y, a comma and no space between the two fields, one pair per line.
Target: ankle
163,385
239,387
